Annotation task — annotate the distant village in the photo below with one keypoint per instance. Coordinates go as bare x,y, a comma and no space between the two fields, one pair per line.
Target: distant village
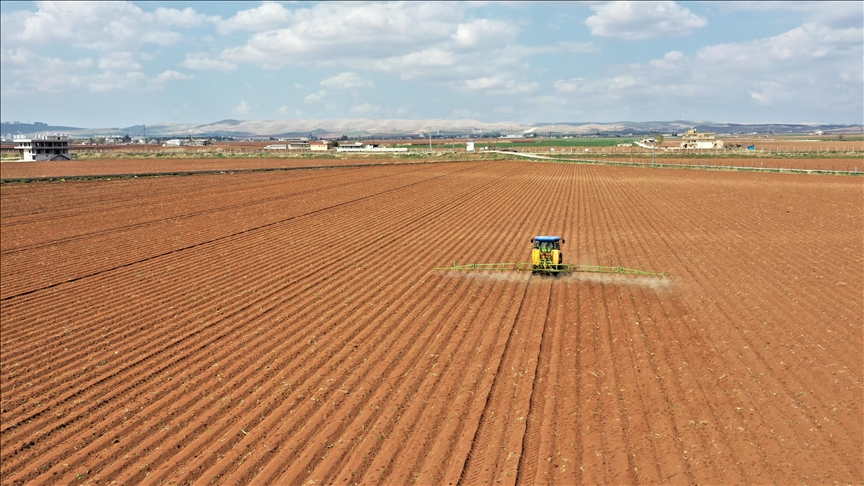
43,145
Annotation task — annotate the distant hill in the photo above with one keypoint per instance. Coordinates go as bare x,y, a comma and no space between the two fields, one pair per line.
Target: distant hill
18,128
400,128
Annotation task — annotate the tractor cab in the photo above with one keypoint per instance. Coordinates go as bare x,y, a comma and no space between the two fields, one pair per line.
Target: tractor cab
546,257
547,243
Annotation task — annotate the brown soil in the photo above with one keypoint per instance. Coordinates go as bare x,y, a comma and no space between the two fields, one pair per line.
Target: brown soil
800,143
755,162
287,328
102,167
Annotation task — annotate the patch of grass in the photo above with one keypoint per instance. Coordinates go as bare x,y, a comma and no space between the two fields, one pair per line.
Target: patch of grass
575,142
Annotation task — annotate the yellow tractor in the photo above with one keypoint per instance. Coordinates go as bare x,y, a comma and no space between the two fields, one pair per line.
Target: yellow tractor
546,257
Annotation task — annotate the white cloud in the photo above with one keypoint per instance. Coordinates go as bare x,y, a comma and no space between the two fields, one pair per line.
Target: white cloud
483,83
347,81
623,82
756,77
269,15
797,46
771,91
670,60
242,108
344,31
466,113
112,81
284,110
404,108
162,39
187,17
118,61
575,85
100,26
202,62
548,100
484,31
173,76
838,15
39,74
117,31
414,63
365,109
515,88
316,97
642,20
497,85
504,110
577,47
416,40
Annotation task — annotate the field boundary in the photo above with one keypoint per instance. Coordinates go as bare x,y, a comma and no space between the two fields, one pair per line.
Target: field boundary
133,175
523,155
682,166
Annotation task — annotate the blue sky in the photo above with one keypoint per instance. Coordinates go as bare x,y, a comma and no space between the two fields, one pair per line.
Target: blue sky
119,64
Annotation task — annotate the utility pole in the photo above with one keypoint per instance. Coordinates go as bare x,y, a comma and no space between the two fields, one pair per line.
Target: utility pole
654,150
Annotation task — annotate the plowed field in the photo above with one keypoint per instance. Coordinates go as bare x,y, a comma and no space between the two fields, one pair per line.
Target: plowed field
755,162
288,328
103,167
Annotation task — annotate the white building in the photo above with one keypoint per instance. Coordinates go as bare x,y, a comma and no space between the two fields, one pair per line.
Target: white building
367,148
43,147
298,145
469,145
319,146
705,140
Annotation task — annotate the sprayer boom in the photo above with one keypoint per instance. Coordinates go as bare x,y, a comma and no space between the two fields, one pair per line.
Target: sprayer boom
560,268
547,258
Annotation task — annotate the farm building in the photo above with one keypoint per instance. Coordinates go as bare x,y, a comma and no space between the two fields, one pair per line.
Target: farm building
319,146
361,147
301,145
704,140
298,145
43,147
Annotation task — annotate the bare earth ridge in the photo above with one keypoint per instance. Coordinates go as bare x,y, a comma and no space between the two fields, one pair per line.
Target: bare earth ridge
287,328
